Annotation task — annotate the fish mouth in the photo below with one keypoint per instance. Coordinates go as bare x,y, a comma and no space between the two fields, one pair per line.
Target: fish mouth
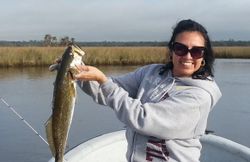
77,50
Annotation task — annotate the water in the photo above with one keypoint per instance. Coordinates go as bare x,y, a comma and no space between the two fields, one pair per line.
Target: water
30,90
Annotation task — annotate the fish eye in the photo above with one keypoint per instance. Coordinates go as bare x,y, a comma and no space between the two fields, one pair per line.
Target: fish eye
71,54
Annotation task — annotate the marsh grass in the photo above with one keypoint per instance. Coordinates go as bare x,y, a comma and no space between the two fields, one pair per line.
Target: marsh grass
44,56
125,55
232,52
28,56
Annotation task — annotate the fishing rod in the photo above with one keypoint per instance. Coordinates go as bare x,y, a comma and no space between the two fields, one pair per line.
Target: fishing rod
23,120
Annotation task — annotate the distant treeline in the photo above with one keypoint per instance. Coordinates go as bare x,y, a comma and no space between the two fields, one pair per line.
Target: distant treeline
116,43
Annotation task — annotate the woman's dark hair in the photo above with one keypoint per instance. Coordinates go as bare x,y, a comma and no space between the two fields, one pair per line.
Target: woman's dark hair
192,26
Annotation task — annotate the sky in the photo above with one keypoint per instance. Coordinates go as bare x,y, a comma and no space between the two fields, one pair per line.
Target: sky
121,20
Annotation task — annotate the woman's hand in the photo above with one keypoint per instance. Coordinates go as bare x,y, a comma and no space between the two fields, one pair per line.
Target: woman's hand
90,73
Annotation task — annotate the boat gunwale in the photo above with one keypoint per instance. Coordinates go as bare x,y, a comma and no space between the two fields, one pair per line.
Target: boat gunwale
105,140
226,145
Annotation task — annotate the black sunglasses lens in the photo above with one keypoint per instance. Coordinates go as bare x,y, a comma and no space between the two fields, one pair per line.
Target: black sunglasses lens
197,52
180,49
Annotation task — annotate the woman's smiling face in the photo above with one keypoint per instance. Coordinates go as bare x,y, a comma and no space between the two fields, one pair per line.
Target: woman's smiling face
185,66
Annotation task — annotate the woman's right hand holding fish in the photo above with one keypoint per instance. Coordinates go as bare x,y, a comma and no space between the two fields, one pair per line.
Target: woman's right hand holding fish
90,73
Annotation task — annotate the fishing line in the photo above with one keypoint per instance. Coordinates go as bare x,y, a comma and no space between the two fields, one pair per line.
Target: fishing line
23,120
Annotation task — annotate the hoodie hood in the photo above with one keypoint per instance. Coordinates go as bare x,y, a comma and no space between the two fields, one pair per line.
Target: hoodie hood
208,85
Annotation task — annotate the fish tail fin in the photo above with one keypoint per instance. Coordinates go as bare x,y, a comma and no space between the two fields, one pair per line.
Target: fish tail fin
48,127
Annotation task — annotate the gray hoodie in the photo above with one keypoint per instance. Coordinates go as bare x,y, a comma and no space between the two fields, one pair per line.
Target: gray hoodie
164,116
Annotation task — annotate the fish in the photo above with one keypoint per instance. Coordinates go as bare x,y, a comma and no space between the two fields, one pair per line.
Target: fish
64,96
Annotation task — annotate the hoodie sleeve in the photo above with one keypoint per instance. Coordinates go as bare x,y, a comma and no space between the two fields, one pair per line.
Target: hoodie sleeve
92,88
173,118
130,82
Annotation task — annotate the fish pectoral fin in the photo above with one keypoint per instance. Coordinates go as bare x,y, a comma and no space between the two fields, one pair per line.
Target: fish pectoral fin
48,127
54,67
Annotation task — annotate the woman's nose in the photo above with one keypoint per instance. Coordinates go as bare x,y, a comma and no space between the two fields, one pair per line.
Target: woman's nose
188,55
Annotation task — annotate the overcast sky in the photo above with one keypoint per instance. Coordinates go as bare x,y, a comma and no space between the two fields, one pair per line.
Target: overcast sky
121,20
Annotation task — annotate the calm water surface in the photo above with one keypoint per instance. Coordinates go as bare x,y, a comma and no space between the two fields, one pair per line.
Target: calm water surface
29,91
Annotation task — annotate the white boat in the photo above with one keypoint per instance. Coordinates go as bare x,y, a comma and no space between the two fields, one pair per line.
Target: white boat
112,147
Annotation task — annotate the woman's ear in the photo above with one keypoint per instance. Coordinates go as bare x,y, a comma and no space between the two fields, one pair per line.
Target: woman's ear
203,63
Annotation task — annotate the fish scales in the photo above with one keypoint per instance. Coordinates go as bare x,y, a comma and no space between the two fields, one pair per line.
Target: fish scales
64,95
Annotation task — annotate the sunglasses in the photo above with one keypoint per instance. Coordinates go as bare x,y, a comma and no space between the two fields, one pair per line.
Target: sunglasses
182,50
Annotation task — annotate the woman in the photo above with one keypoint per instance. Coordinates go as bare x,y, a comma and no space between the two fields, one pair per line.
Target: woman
165,107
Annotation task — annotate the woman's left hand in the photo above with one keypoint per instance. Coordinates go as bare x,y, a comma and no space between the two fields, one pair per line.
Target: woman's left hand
90,73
